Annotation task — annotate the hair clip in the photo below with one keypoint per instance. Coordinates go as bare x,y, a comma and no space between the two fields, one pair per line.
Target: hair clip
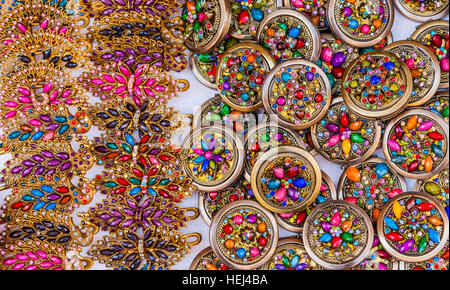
34,254
32,89
156,249
52,123
146,83
124,114
47,161
138,169
48,226
160,8
124,212
55,194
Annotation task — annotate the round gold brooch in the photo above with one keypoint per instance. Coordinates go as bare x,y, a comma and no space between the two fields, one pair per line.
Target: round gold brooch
360,23
415,144
207,260
240,75
439,104
377,85
338,235
343,137
296,94
244,235
212,157
424,10
413,227
286,179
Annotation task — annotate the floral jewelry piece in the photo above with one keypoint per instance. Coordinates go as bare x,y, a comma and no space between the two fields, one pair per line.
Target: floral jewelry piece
422,11
439,104
377,85
212,157
49,226
287,33
291,255
315,10
146,83
211,202
247,16
343,137
47,161
434,34
138,168
334,58
34,89
54,194
159,8
207,23
378,259
137,39
53,122
415,144
438,262
294,221
338,235
240,75
264,137
34,254
155,249
437,186
424,67
286,179
370,185
207,260
243,235
360,23
119,212
216,111
204,65
124,114
413,227
296,94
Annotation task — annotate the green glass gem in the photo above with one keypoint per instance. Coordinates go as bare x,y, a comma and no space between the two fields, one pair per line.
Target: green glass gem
444,112
283,26
230,42
296,54
347,237
112,146
265,137
196,27
198,6
214,117
184,16
285,261
205,57
110,184
225,110
236,8
135,181
126,147
164,181
355,137
422,246
152,181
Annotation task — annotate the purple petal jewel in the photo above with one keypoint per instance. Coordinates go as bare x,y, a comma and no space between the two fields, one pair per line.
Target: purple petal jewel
280,267
156,222
53,162
158,213
146,213
116,213
127,223
38,158
217,158
16,169
27,171
115,222
167,219
51,171
53,196
105,216
146,223
332,127
293,193
65,166
131,204
406,246
326,226
301,266
47,154
128,211
39,170
212,144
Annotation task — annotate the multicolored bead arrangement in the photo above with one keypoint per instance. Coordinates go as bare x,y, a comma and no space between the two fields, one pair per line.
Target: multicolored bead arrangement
438,262
263,138
241,73
291,255
244,234
287,33
424,67
286,179
370,185
422,10
247,15
439,104
435,36
377,85
378,259
316,10
343,137
437,186
413,227
361,23
212,157
297,94
294,221
334,58
415,144
338,235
